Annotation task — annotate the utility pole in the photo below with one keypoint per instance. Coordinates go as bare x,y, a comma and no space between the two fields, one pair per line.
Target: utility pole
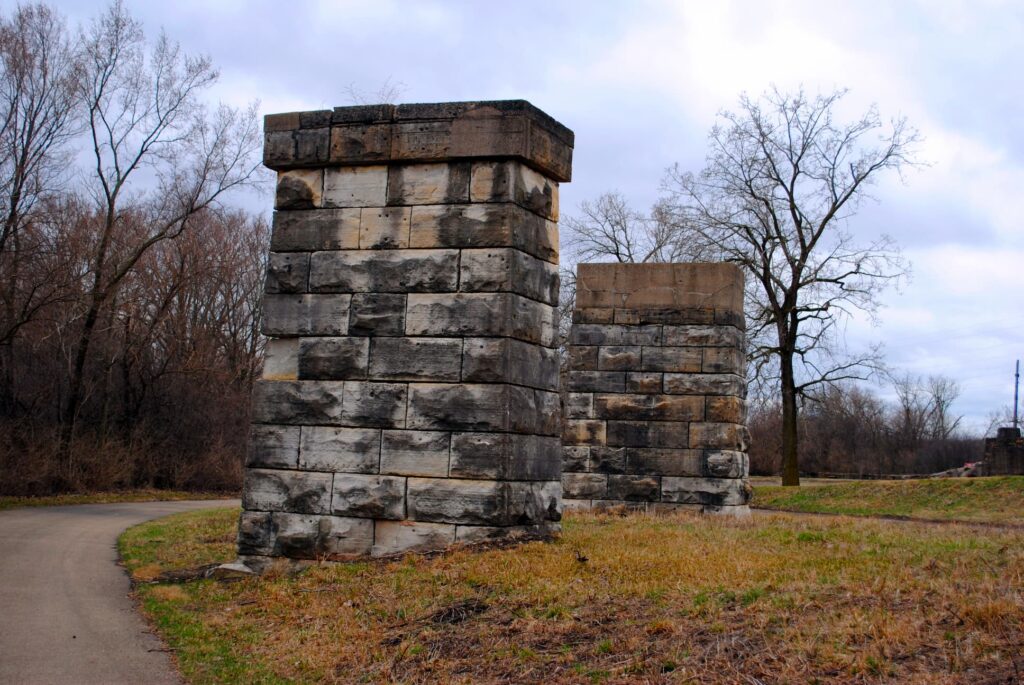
1016,393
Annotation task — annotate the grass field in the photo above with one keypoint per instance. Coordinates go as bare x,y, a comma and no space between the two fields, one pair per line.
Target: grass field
999,499
141,495
777,599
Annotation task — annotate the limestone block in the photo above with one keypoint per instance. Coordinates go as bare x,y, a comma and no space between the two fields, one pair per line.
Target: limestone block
505,456
672,359
722,436
634,488
597,381
333,359
342,538
575,458
356,186
619,358
648,434
608,460
380,405
583,358
364,496
506,360
507,270
415,453
726,410
668,315
299,189
310,314
602,315
705,384
428,184
600,334
703,336
481,314
549,413
649,407
584,485
474,407
579,405
340,450
365,142
416,359
644,383
391,271
273,446
470,535
709,491
287,272
584,432
482,225
481,502
515,182
278,147
532,321
319,229
384,228
664,462
281,359
377,314
724,360
398,537
256,533
301,536
302,492
725,464
665,286
297,402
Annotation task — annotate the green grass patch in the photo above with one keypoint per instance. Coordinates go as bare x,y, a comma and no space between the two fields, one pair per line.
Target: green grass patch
141,495
997,499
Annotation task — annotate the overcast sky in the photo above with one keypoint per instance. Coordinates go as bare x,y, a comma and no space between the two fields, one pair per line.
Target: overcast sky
640,84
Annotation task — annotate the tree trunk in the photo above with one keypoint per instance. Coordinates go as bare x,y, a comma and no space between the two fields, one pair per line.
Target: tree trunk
790,467
75,383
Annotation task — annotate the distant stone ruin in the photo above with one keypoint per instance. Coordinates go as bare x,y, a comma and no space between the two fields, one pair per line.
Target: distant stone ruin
1004,454
409,398
655,415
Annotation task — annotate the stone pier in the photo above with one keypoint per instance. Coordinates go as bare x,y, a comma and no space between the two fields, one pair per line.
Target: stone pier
409,398
655,411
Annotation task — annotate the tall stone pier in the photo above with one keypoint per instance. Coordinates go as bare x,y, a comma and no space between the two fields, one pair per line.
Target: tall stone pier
409,398
655,411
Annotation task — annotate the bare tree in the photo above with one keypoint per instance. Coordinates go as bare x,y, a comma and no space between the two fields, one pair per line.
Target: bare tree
608,229
782,178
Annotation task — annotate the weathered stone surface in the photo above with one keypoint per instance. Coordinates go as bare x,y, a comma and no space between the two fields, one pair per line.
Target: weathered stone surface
583,432
281,359
340,450
481,314
399,537
299,189
365,142
672,359
377,314
584,485
607,459
479,502
648,407
376,497
297,402
473,407
428,184
379,405
725,464
619,358
507,270
703,336
481,225
575,458
726,410
549,412
601,315
359,186
634,488
583,358
384,228
506,360
287,272
319,229
579,405
273,446
664,462
600,334
391,271
415,453
723,436
301,536
470,535
705,384
291,315
416,359
333,359
597,381
256,533
301,492
515,182
666,315
505,456
651,286
648,434
644,383
709,491
724,360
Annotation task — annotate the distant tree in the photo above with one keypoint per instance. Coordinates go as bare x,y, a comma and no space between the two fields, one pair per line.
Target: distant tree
782,178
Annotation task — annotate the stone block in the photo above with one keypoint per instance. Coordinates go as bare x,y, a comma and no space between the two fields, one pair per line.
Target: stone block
583,358
319,229
278,148
575,458
549,413
356,186
648,434
705,384
481,314
502,269
724,360
482,225
634,488
333,359
481,502
287,272
340,450
380,405
312,145
299,189
310,314
720,436
601,334
281,359
256,533
416,359
301,536
515,182
648,407
360,142
576,505
665,315
505,456
664,462
644,383
608,460
365,496
470,535
428,184
707,491
660,286
415,453
583,432
297,402
273,446
384,228
703,336
301,492
584,485
672,359
579,405
474,407
726,410
725,464
377,314
602,315
399,537
619,358
391,271
597,381
506,360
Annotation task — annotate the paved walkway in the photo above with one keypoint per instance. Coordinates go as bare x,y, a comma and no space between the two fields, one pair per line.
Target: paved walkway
65,611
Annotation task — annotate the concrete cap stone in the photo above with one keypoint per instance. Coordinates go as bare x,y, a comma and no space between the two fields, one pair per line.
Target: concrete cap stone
656,286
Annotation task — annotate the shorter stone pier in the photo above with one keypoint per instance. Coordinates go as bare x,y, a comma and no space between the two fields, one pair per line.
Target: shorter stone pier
654,414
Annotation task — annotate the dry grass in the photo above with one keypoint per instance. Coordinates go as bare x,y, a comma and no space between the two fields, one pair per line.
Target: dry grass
672,600
136,495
